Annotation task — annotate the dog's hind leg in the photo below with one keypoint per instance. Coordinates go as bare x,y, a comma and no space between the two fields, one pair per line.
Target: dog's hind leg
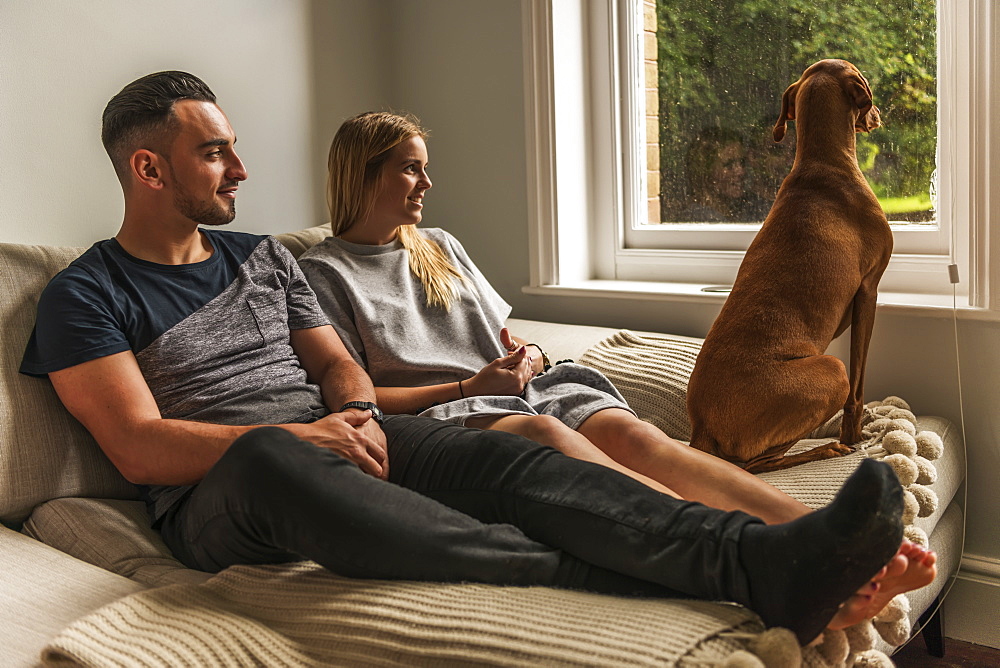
776,459
809,390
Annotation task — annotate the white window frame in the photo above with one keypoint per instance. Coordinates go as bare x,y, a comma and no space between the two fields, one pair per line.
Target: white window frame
581,199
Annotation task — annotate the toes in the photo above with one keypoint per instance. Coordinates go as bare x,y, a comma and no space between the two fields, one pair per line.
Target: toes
897,566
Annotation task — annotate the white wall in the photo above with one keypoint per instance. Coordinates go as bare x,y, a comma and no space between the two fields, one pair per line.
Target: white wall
60,62
460,71
289,71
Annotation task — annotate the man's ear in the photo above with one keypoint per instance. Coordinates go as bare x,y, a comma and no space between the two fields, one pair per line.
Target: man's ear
147,168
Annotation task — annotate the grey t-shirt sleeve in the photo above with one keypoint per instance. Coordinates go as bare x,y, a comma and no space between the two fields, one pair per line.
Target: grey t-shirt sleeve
482,286
336,305
304,310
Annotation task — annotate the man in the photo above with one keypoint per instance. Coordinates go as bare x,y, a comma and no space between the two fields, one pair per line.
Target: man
202,365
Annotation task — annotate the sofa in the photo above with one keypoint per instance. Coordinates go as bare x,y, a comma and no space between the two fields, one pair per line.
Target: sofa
86,582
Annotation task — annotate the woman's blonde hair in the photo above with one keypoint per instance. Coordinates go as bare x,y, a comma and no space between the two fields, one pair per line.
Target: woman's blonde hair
357,157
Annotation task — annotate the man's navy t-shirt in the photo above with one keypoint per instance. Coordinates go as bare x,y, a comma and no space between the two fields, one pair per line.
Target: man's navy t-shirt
211,338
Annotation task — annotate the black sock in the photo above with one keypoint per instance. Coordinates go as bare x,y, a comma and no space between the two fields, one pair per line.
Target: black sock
800,572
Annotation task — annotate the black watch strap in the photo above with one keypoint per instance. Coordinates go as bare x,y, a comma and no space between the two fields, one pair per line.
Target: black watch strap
377,414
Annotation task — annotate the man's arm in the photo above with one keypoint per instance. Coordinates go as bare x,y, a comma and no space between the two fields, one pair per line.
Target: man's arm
328,364
110,397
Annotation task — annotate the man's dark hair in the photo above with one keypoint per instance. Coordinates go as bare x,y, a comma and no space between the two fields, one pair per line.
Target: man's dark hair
143,112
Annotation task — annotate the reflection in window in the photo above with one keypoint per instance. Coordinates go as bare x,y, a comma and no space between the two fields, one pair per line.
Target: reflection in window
721,67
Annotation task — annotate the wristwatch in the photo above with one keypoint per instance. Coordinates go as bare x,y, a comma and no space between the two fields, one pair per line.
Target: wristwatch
377,414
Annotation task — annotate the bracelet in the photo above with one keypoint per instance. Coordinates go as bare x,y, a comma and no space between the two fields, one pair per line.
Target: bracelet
460,390
546,363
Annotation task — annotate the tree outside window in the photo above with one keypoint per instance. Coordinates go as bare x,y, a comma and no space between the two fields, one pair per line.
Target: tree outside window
722,67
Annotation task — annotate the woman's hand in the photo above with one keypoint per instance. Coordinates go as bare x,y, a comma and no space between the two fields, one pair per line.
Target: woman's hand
504,376
512,343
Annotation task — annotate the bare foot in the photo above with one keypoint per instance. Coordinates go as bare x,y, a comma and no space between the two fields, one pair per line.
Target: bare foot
911,568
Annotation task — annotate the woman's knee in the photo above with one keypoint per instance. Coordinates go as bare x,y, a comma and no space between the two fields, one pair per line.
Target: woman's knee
625,435
546,429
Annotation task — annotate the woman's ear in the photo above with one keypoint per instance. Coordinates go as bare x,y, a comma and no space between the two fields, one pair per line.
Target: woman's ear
147,168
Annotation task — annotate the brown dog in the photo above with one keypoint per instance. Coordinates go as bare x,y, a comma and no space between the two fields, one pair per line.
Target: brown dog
762,380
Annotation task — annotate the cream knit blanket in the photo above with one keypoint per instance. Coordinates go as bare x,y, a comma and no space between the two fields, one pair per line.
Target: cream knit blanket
302,615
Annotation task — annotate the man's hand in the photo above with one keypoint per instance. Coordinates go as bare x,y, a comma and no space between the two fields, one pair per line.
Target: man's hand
353,435
373,430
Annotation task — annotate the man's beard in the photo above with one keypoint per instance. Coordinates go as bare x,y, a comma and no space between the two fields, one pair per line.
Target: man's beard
204,213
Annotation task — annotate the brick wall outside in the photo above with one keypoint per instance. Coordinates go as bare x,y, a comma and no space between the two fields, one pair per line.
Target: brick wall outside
651,68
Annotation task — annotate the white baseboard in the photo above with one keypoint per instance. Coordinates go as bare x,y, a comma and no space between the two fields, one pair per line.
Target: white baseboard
972,608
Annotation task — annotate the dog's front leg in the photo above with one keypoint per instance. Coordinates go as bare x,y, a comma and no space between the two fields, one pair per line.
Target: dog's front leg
862,323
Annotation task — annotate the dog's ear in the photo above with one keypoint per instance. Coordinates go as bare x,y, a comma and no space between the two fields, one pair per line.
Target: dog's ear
787,111
869,117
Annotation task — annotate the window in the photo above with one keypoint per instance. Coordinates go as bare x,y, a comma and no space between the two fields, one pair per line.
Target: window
613,205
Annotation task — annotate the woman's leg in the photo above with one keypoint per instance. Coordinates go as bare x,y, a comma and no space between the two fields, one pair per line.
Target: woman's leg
691,473
549,431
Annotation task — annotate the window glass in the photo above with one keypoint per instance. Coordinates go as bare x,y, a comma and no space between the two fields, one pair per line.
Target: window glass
720,68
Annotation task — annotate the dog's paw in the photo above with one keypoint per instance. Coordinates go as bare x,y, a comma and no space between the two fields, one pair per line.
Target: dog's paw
840,449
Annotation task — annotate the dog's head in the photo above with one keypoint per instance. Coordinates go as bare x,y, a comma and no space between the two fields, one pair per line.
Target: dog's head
852,82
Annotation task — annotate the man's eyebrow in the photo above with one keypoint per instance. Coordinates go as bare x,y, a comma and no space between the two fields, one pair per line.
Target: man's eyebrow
215,142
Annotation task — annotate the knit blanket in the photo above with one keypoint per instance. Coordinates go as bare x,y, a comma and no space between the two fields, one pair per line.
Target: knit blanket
302,615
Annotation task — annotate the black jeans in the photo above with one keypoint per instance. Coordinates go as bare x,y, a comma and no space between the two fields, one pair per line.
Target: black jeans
461,505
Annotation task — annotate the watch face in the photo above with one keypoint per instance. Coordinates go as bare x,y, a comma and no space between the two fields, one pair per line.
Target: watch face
377,414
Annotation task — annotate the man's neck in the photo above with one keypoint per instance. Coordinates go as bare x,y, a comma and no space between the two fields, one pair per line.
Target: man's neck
164,243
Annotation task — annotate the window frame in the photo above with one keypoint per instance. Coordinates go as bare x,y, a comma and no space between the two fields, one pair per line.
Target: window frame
586,185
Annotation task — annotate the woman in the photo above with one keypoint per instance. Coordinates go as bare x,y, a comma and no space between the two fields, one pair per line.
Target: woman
415,311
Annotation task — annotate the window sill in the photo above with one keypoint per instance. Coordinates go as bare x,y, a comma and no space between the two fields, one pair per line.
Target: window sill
936,305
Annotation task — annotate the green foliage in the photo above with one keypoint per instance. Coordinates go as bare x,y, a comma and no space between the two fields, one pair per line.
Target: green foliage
894,205
725,64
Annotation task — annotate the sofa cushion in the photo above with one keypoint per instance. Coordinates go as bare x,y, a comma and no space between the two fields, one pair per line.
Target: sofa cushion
301,240
41,591
559,340
45,453
651,371
110,533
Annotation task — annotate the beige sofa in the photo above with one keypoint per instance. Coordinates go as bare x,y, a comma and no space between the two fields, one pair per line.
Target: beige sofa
86,582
